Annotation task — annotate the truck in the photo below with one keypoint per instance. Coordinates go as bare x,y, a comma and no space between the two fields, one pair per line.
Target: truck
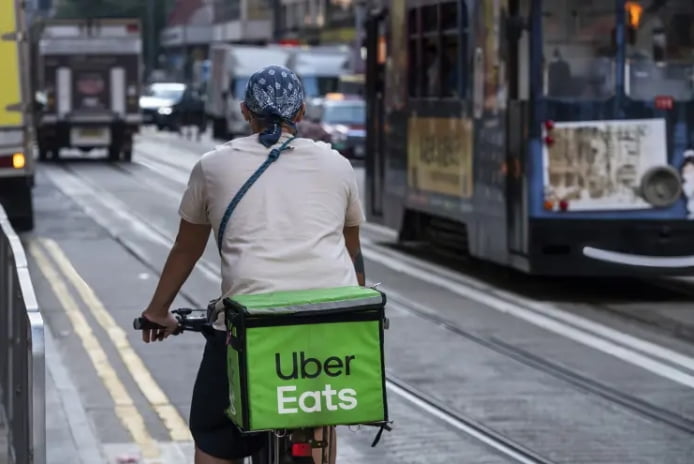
231,67
320,67
16,130
89,71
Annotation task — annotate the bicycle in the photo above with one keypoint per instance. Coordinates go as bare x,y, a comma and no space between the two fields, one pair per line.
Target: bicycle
282,446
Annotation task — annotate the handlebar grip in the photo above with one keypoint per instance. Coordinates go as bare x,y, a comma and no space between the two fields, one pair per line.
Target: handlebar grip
141,323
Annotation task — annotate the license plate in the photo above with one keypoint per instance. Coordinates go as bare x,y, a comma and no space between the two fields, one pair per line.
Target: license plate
89,132
90,136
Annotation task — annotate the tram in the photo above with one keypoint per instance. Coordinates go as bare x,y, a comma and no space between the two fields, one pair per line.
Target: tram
555,137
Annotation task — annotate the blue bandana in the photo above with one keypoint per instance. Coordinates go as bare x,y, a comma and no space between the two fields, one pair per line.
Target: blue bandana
274,94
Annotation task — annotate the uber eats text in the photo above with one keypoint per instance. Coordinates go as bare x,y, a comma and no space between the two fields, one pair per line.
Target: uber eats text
290,401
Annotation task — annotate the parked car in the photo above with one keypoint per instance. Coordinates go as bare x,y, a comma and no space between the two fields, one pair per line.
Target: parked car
170,105
343,117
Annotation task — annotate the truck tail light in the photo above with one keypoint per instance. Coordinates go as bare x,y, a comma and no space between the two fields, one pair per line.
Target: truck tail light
16,161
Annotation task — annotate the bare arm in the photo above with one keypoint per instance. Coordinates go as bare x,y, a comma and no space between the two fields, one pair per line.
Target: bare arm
354,248
187,249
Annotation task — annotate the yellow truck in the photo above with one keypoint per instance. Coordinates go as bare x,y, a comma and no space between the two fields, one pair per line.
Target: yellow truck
16,160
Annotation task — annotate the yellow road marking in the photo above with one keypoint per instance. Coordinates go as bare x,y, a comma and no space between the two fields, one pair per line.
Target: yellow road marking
125,409
177,427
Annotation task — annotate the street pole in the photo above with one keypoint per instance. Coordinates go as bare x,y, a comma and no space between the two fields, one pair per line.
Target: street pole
276,18
360,9
151,36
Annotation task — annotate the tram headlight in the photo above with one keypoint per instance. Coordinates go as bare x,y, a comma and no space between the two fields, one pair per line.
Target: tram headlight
661,186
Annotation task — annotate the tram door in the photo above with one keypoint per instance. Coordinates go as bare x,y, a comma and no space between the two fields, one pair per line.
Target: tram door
375,117
517,124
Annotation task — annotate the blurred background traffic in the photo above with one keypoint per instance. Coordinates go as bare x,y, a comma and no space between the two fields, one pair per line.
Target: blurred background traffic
197,56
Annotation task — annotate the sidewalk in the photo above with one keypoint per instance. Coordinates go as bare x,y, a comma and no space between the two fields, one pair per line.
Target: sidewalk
70,438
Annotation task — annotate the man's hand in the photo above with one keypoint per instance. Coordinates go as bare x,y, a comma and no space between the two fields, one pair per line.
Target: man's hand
156,335
187,249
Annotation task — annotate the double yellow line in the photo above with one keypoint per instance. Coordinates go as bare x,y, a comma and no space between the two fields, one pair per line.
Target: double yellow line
125,408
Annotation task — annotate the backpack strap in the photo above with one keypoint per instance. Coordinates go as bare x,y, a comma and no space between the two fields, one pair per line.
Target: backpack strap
272,157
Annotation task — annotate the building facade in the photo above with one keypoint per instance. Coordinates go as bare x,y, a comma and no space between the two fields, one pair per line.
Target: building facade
186,38
243,21
324,22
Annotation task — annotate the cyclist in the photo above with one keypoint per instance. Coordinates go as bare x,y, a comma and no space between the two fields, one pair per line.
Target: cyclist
296,228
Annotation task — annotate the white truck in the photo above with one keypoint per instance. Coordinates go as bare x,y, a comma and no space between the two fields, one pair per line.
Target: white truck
321,67
16,160
231,67
90,72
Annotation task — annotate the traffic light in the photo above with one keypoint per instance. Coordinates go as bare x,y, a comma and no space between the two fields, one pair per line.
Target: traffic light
634,13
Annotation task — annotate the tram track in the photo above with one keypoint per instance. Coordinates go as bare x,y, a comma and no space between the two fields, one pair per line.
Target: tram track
463,423
538,363
568,289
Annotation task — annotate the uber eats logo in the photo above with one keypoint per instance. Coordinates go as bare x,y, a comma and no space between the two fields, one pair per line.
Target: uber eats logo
300,366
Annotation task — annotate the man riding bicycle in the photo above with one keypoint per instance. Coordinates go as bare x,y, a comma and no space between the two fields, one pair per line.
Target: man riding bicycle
296,228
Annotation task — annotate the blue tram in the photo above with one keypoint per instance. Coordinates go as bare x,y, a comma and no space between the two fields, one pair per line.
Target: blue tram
552,136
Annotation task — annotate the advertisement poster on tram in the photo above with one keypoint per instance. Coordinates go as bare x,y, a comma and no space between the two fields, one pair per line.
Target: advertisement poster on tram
440,156
598,165
490,37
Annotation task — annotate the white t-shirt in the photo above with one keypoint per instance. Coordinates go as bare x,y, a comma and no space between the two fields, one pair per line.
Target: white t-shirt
286,233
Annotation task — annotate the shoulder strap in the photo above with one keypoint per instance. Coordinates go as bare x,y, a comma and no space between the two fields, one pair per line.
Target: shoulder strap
272,157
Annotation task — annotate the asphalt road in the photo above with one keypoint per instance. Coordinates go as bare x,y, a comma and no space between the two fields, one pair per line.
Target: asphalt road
483,369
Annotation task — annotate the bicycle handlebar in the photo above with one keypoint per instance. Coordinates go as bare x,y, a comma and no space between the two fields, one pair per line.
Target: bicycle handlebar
197,323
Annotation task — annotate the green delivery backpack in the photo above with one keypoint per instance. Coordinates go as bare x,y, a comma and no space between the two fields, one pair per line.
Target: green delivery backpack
304,358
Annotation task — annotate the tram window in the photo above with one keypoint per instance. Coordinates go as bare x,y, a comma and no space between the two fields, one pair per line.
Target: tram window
450,77
437,50
413,65
431,67
579,52
660,52
413,21
430,19
449,16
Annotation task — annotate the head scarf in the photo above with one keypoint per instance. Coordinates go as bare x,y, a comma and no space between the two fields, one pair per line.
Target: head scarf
274,94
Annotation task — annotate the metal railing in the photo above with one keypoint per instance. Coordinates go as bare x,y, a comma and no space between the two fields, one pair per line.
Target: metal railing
22,355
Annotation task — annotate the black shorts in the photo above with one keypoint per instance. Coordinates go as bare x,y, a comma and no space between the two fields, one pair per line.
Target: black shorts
212,430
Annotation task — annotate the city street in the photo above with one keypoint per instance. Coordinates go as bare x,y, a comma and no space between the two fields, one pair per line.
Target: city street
485,366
